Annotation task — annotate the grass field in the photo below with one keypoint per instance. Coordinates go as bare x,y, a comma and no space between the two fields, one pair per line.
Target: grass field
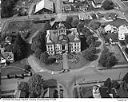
15,68
117,52
58,67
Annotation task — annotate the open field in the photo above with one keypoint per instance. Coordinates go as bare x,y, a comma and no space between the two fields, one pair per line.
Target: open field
15,68
117,52
72,65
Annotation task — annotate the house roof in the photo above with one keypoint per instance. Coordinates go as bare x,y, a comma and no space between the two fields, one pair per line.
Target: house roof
98,1
47,4
50,93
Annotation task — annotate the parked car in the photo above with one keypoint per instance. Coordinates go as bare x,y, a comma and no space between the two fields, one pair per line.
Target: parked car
27,74
10,76
19,76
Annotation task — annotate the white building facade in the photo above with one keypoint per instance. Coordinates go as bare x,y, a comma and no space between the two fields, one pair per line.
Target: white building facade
58,41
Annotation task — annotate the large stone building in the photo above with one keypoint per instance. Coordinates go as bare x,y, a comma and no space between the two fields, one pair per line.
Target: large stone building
62,40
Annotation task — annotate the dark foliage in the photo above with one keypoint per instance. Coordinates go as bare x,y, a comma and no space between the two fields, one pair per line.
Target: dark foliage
7,8
89,54
108,5
107,59
126,50
50,61
94,25
35,86
23,86
80,27
20,48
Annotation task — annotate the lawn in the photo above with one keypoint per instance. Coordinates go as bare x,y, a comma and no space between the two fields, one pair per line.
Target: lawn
15,68
117,53
72,65
117,22
81,62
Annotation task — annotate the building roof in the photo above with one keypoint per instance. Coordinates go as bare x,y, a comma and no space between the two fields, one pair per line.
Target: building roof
50,93
98,1
47,4
123,29
54,36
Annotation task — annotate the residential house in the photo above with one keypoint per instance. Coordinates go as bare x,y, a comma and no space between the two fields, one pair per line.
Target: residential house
96,3
6,56
59,41
110,28
122,32
44,6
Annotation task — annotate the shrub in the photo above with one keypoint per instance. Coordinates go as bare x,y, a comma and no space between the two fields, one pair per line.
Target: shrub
107,59
50,61
35,85
97,43
23,86
94,25
108,5
126,50
98,51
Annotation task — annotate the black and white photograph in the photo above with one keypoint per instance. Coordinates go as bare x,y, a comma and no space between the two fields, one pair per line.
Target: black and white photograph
68,49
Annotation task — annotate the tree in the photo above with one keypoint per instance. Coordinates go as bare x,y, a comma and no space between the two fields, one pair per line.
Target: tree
94,25
80,27
126,39
7,8
107,59
126,50
75,22
95,44
44,57
108,5
108,84
125,78
35,85
86,32
93,16
69,20
20,48
50,61
27,68
89,54
90,40
23,86
38,53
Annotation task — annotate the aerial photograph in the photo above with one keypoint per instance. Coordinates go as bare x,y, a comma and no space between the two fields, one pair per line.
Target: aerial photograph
64,49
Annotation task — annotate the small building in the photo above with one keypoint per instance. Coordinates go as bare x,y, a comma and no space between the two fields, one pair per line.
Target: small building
97,3
110,28
44,6
122,32
62,40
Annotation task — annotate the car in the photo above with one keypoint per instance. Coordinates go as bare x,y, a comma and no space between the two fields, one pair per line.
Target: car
10,76
27,74
19,76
